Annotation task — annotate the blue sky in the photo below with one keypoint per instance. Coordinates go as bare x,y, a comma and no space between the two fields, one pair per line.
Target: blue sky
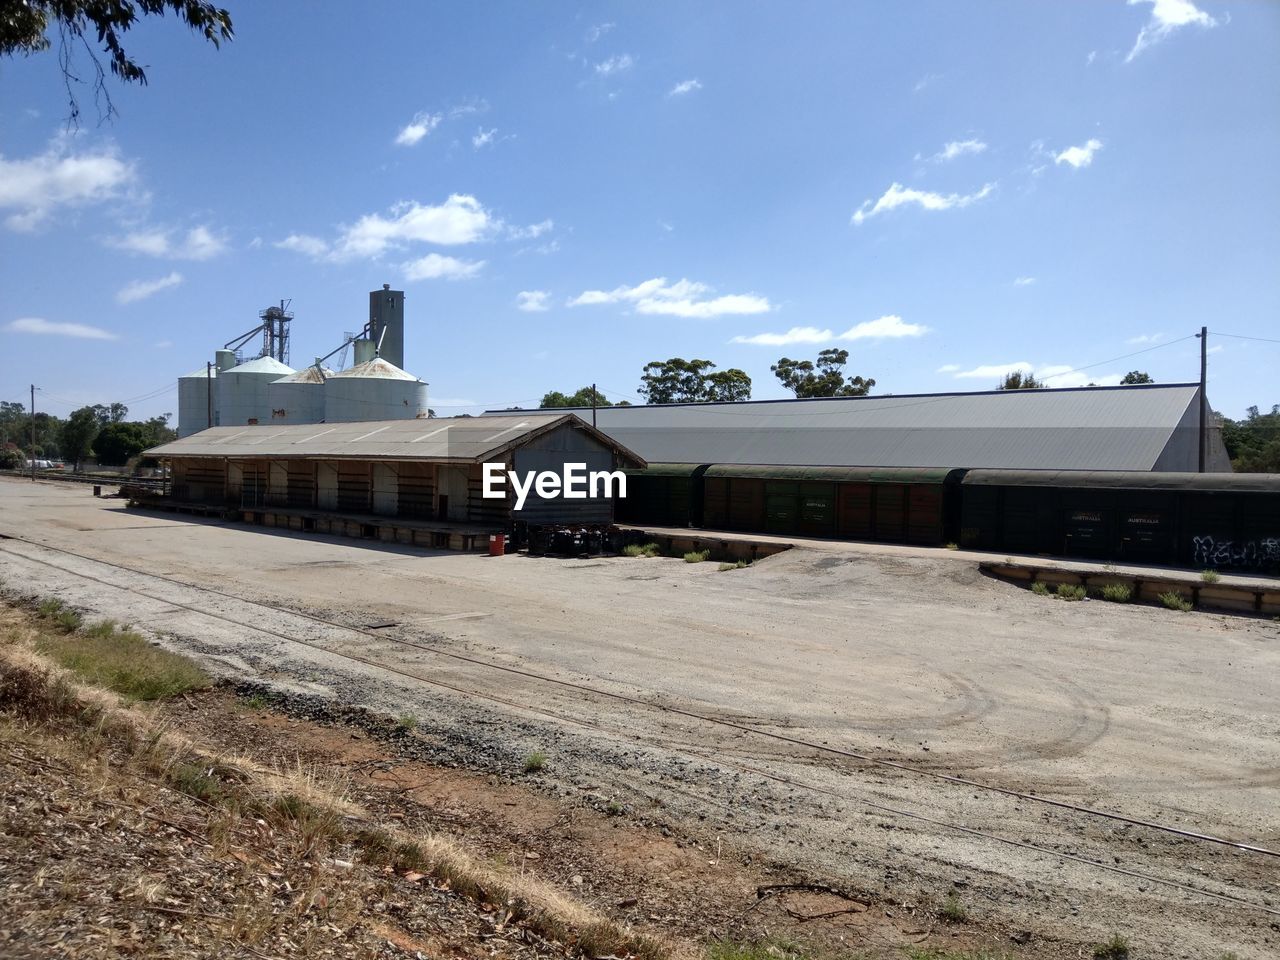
946,190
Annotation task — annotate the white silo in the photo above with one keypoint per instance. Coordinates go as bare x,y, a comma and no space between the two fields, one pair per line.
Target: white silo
374,390
299,397
195,413
242,391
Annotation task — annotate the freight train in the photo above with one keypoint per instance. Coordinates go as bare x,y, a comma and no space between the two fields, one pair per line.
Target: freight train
1199,520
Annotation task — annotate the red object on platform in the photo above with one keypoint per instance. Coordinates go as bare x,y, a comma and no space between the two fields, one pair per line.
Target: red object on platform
497,544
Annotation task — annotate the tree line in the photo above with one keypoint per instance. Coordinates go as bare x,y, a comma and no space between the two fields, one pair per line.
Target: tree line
698,381
101,430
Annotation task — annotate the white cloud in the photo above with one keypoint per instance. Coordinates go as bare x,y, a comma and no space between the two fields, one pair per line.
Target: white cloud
1057,375
304,243
531,232
436,267
1093,55
685,86
598,31
476,105
417,128
533,301
957,148
685,298
1166,17
163,344
888,327
198,243
460,219
39,325
948,368
1146,338
35,187
792,336
897,195
927,80
1024,281
989,371
483,137
884,328
1080,156
141,289
619,64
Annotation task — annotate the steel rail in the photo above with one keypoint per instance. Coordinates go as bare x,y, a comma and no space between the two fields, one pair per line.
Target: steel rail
694,715
1122,871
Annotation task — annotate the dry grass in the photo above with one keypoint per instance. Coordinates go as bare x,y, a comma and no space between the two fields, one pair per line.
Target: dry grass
290,815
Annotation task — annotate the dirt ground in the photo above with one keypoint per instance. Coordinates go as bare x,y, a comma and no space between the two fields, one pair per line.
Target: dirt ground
920,659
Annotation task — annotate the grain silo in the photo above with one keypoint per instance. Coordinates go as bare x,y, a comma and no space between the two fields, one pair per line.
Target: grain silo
374,390
195,412
299,397
242,391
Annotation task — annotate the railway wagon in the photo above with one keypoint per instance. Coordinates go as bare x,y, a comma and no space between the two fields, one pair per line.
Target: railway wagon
893,505
1198,520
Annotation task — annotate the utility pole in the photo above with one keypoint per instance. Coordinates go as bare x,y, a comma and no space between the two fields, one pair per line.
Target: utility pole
33,433
1204,402
593,405
208,388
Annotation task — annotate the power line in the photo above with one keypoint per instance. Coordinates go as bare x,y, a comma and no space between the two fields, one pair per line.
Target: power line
1126,356
1240,336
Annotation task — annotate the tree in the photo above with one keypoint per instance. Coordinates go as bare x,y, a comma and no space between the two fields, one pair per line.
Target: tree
117,443
1136,376
731,386
1253,444
113,413
691,381
580,399
822,378
78,434
1017,380
25,26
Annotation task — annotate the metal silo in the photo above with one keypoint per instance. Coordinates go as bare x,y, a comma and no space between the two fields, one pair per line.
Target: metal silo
299,397
193,401
374,390
242,391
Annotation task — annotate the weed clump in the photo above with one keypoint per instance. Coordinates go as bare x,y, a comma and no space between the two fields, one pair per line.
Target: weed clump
1117,948
1210,576
406,722
740,565
1117,592
1071,591
641,550
1173,600
124,662
1041,589
535,761
952,910
697,556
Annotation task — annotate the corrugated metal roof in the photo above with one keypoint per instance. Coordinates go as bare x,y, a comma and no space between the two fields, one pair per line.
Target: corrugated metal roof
1127,480
1099,428
449,438
262,365
377,368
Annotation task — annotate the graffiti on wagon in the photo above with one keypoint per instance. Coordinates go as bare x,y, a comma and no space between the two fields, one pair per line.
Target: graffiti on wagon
1211,552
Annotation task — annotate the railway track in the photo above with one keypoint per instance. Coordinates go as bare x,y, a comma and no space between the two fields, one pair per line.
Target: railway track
1060,807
